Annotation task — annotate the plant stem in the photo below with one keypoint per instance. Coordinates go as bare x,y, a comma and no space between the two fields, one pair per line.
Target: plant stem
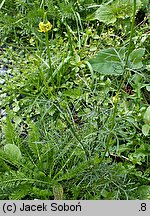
112,120
131,33
49,58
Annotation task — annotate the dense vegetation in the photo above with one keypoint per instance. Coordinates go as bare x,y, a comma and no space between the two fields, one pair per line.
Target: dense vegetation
74,99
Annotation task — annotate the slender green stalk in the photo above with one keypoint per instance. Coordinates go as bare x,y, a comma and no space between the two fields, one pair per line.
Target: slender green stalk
131,33
49,58
2,3
71,127
42,4
78,29
76,137
112,120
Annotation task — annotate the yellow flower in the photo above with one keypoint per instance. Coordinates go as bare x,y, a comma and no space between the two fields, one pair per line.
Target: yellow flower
44,27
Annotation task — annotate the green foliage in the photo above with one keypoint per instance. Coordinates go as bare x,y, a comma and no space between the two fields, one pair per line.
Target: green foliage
108,62
135,58
12,151
146,118
144,192
147,115
74,103
112,62
109,13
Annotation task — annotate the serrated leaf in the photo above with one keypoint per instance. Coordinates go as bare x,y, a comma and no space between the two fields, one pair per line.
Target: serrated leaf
20,192
107,62
145,129
135,58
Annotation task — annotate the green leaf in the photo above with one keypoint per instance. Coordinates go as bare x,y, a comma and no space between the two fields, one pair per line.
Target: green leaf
147,115
20,192
148,88
144,192
105,14
73,93
145,129
135,58
108,62
109,13
12,151
93,48
2,3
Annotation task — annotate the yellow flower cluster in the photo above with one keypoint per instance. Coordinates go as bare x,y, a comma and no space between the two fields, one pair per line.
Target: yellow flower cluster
45,27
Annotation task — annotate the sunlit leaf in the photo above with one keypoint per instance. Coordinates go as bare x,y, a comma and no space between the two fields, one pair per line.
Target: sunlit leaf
12,151
145,129
147,115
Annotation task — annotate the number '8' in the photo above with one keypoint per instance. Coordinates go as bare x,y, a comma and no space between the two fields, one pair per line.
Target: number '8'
143,206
